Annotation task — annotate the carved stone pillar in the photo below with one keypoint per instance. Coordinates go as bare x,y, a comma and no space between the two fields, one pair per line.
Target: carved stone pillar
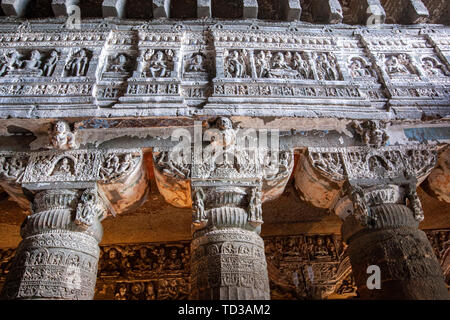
228,185
392,241
70,191
228,260
372,189
58,256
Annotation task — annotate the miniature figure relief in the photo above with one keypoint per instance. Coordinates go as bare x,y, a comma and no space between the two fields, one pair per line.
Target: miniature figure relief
28,64
157,63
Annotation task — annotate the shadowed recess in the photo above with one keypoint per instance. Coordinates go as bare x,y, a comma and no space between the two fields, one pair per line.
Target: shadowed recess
227,9
183,9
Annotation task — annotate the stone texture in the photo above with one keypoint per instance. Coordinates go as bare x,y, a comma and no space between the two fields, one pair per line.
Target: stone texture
250,9
327,11
58,256
409,269
15,7
161,8
60,7
114,8
291,10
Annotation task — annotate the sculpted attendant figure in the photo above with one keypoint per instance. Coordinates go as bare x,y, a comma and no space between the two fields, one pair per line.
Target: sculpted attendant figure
158,65
77,65
62,137
235,66
50,64
34,62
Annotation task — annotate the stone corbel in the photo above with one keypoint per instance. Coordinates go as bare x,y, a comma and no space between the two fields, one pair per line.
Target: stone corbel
119,174
351,180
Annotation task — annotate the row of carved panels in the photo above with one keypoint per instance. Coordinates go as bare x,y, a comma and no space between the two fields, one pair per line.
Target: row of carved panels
119,67
300,267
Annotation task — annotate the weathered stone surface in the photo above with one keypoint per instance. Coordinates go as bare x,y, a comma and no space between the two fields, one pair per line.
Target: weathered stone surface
15,7
327,11
291,10
61,7
204,9
161,8
409,269
250,9
114,8
439,179
58,256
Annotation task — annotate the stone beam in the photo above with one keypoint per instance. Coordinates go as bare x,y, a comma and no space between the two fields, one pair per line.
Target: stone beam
250,9
416,12
60,7
368,12
113,8
291,10
161,8
204,9
327,11
15,7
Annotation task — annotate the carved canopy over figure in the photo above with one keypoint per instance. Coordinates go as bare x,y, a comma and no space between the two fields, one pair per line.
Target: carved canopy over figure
433,68
77,65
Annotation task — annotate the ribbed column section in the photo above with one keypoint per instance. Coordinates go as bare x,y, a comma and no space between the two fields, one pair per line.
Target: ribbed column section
408,267
228,260
57,258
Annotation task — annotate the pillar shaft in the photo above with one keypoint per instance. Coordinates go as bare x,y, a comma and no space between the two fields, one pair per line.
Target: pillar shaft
227,254
408,267
58,256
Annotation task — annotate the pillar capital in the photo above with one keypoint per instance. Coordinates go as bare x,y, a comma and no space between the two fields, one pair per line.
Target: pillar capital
58,256
225,178
372,188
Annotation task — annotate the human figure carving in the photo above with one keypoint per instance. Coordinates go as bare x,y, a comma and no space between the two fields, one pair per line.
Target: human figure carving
118,63
50,64
301,66
357,69
397,65
77,65
262,64
158,65
197,63
62,137
10,62
34,63
235,66
199,207
433,68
